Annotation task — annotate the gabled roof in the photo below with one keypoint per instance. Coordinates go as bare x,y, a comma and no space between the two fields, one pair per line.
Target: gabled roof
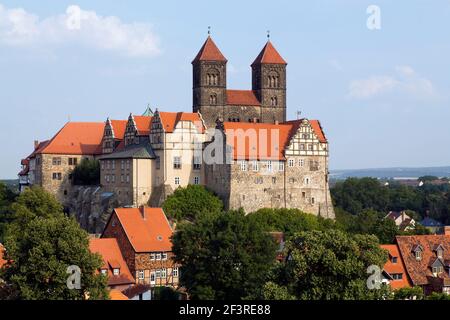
242,98
112,259
143,124
209,52
169,120
264,146
119,127
269,55
116,295
419,270
396,268
76,138
149,234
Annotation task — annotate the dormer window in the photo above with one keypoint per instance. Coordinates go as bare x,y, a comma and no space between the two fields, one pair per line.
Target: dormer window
418,255
116,271
418,252
440,253
104,271
394,259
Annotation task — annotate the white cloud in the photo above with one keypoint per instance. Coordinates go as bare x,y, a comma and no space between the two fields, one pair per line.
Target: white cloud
403,81
76,26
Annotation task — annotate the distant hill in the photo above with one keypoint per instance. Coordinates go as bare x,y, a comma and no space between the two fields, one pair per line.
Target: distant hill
391,173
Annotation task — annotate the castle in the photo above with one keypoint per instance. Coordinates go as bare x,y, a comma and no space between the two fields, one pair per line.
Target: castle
267,161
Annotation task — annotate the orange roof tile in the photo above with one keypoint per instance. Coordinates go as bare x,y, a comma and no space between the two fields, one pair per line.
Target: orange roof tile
242,98
2,255
396,268
119,127
209,52
112,259
76,138
263,147
115,294
143,124
149,234
269,55
170,120
420,271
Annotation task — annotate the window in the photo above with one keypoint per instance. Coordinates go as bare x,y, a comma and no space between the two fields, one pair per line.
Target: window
269,166
274,180
158,274
108,164
197,163
56,161
152,256
310,147
128,178
107,178
397,276
307,181
259,180
57,176
113,179
418,254
213,99
243,165
313,200
158,256
303,195
164,273
128,164
104,271
73,161
122,165
122,178
394,259
281,166
301,162
440,253
291,163
177,162
116,272
175,272
102,165
302,147
113,164
177,181
158,163
164,256
438,270
255,165
141,275
274,101
196,180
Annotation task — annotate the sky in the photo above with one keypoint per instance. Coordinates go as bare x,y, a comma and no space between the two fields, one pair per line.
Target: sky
378,81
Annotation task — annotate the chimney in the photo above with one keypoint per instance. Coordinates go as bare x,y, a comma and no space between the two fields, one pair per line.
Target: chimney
276,122
36,144
142,210
447,230
255,120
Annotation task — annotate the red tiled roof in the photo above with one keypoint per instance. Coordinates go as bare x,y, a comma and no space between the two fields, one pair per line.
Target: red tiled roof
420,271
116,295
170,120
119,127
269,55
396,268
76,138
264,146
112,259
209,52
242,98
143,124
149,234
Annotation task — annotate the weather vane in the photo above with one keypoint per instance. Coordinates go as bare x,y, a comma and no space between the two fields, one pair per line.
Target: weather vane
268,34
209,30
299,114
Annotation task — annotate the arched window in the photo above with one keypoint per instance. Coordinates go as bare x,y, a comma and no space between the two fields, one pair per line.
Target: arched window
213,99
212,77
273,79
274,101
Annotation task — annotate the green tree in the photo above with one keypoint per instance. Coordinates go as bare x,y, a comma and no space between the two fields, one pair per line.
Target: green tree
7,196
87,172
414,293
438,296
42,243
224,256
329,265
189,202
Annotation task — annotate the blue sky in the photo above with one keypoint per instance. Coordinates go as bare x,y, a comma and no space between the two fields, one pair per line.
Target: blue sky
383,96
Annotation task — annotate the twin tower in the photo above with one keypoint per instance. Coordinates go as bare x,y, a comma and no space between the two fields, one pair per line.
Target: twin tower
266,102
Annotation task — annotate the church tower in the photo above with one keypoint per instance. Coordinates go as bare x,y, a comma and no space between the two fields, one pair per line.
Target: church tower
210,82
269,84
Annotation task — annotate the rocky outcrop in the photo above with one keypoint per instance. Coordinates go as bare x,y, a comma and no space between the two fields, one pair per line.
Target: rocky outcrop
91,206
